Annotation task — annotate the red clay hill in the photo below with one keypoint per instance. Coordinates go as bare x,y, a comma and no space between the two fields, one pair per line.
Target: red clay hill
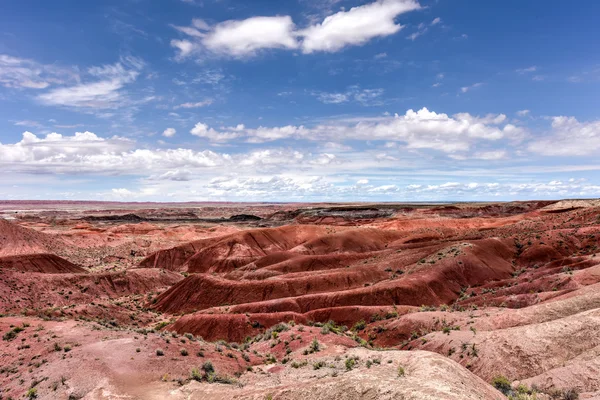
296,301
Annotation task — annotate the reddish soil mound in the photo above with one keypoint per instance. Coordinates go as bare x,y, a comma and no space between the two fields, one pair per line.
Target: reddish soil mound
201,291
17,240
229,252
238,327
360,240
434,281
32,291
45,263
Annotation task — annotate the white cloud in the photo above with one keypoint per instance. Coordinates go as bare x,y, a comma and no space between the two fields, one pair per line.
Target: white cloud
356,26
209,77
527,70
332,98
569,137
465,89
490,155
56,148
203,131
421,129
422,28
200,24
28,123
103,93
85,152
335,171
177,175
269,186
185,47
198,104
169,132
246,37
367,97
523,113
20,73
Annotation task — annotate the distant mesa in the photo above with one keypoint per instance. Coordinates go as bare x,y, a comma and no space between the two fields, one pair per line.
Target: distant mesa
124,217
244,218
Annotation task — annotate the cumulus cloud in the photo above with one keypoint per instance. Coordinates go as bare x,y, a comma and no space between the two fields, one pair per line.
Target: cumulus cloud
85,152
169,132
56,148
356,26
319,188
422,129
204,131
334,171
523,113
245,38
273,187
569,137
184,47
178,175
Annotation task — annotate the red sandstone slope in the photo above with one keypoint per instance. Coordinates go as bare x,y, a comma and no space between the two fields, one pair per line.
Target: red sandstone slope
36,291
46,263
17,240
376,279
26,250
226,253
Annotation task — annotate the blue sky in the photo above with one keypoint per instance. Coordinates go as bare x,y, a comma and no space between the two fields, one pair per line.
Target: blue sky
299,100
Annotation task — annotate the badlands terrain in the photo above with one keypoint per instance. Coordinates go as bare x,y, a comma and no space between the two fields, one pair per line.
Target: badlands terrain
300,301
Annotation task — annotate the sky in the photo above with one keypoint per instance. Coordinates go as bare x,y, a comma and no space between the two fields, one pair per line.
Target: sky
299,100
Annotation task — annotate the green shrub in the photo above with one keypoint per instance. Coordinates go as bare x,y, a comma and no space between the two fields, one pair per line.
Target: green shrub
196,375
502,383
319,365
31,393
315,346
208,368
359,326
350,363
401,371
10,335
